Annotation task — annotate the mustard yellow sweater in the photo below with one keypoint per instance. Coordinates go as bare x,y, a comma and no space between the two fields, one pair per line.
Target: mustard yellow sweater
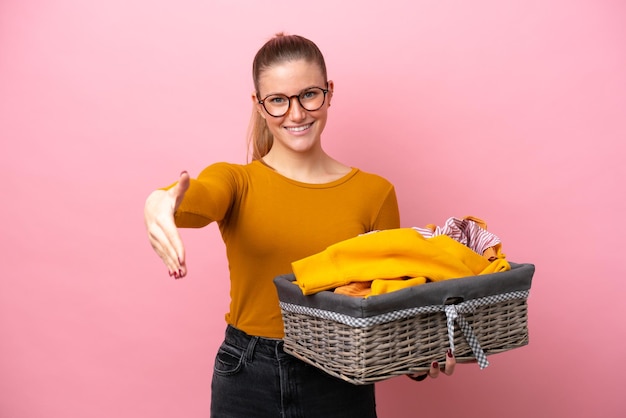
267,221
392,254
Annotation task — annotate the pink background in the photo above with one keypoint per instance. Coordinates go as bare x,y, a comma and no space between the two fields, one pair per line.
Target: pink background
511,111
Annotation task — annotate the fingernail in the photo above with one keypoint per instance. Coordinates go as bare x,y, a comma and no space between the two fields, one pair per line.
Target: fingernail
449,353
183,172
180,273
435,365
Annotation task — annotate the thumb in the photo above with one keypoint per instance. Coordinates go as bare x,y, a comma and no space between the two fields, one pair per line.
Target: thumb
178,191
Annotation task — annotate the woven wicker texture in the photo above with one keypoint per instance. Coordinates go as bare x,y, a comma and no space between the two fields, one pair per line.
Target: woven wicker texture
370,354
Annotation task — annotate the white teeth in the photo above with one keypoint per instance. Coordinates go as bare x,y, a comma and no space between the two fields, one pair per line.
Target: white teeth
299,128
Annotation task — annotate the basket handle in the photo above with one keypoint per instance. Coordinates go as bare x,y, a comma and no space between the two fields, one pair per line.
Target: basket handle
454,312
453,300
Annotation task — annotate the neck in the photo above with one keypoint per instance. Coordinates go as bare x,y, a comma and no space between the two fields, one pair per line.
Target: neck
312,167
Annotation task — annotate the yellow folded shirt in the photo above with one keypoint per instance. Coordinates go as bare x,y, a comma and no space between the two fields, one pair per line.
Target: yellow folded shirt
392,253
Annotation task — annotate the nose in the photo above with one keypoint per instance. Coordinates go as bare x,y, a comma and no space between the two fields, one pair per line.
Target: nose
296,111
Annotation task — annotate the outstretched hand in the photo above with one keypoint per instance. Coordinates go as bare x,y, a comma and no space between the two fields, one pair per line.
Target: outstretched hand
162,232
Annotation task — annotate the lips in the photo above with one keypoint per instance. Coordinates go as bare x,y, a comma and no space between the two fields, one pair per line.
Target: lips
298,128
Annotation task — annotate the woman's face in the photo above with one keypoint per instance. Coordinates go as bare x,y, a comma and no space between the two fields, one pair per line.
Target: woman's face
298,130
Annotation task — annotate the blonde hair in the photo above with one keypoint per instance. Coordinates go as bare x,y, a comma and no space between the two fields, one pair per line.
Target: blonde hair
281,48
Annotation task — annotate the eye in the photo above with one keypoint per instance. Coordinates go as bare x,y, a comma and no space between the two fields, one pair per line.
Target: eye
310,94
276,100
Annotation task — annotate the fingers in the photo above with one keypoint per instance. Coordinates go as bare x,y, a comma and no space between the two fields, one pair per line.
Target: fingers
433,372
165,248
176,242
162,231
436,368
450,363
172,250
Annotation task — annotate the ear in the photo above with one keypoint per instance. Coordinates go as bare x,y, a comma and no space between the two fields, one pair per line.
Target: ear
257,105
331,89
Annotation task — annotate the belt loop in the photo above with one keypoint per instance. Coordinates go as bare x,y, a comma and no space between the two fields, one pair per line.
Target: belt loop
278,348
250,348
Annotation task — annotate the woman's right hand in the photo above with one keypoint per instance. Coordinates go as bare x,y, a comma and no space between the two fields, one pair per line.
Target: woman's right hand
435,368
162,232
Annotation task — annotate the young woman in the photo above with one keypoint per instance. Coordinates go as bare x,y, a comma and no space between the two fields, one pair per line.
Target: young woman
293,200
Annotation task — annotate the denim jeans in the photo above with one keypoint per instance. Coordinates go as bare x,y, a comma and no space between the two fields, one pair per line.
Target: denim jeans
254,378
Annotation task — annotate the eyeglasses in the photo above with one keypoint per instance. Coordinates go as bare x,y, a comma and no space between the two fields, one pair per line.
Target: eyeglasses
278,105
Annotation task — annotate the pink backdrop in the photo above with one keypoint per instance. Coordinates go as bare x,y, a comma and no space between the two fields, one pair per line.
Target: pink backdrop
511,111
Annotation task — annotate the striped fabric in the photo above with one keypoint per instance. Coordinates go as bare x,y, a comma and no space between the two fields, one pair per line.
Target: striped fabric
466,231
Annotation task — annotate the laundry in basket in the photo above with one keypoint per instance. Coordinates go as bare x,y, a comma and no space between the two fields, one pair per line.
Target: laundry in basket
365,340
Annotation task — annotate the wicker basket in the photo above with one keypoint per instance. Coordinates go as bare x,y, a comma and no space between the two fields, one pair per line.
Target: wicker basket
365,340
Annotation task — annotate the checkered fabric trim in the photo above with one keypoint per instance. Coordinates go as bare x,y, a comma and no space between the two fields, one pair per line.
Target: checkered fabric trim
454,313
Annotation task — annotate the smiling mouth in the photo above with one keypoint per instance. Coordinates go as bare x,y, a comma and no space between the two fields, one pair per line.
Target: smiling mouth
298,128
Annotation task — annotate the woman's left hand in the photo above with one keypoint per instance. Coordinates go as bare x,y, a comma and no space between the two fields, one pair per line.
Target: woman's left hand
435,368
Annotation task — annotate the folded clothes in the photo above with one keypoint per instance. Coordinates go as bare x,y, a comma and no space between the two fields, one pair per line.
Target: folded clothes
391,254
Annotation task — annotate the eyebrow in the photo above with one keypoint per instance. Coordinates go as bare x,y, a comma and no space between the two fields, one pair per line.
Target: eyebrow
304,89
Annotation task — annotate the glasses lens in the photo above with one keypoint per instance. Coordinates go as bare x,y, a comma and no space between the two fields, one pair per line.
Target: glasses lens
312,99
276,104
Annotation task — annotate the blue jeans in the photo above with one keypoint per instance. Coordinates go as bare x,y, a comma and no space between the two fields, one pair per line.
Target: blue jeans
255,378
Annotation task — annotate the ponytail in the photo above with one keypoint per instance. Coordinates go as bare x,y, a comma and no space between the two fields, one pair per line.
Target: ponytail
260,139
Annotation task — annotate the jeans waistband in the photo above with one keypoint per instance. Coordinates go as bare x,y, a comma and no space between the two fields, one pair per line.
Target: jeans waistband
253,344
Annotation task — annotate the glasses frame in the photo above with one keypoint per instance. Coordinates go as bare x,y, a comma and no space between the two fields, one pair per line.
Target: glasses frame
289,99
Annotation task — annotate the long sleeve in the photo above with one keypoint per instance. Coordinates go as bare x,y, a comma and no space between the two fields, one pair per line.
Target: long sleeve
209,197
